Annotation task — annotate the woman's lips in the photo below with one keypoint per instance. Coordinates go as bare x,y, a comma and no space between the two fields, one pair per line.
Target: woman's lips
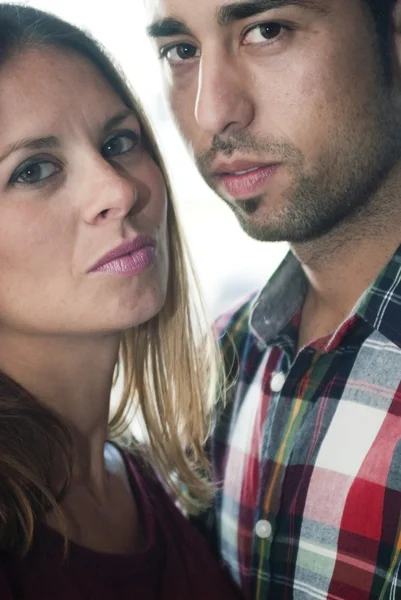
129,258
134,263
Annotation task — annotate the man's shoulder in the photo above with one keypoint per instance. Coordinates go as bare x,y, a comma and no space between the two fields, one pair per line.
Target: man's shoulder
234,322
234,332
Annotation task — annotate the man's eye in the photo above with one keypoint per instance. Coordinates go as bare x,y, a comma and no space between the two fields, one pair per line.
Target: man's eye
120,144
35,172
180,52
262,33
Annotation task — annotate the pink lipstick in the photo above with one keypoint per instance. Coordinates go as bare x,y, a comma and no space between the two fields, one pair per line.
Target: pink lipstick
130,258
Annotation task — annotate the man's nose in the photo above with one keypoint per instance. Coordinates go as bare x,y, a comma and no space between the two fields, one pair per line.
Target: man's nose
223,103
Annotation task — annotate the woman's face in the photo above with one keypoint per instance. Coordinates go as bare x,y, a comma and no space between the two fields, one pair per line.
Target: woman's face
75,184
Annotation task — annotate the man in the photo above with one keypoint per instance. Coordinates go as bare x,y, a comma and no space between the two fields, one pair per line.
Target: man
293,111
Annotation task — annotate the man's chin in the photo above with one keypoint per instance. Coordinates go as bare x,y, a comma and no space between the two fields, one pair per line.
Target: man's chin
257,228
291,231
259,223
248,206
253,222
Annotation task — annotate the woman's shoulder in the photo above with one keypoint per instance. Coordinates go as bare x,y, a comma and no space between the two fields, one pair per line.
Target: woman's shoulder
189,556
142,475
154,497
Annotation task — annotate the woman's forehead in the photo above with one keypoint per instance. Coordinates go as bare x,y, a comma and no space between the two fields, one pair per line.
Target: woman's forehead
50,87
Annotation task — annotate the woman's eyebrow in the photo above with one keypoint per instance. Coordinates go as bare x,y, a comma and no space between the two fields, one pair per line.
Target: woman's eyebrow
118,119
53,141
40,143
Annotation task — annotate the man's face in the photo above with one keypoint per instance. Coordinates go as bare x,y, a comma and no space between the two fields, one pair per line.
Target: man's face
284,104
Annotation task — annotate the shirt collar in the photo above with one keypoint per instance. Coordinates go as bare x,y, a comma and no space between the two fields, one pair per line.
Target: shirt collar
279,300
284,294
380,305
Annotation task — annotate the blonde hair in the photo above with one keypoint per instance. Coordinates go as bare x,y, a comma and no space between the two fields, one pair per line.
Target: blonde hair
170,376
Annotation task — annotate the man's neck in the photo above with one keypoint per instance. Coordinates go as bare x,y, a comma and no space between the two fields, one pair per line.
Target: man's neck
340,267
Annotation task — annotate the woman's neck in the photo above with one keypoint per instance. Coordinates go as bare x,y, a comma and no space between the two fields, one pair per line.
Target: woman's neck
72,377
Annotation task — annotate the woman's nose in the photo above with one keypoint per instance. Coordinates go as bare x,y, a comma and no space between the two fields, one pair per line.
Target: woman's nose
111,194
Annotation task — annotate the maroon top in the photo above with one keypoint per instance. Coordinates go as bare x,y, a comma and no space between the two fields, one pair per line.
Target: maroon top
176,565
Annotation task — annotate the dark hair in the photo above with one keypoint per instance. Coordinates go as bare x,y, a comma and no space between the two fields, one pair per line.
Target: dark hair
381,11
168,376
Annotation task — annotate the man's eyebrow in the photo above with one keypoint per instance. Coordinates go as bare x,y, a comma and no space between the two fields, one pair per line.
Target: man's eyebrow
167,28
237,11
31,144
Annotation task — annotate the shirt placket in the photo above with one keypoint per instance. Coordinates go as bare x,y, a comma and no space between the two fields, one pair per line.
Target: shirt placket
282,422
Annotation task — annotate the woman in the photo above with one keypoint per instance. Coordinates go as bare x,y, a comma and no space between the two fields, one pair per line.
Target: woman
92,275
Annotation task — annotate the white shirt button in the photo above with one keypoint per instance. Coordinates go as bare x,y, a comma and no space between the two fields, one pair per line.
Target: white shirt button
263,529
277,382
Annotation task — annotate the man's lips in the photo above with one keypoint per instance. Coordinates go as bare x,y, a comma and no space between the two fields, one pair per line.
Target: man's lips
243,180
238,167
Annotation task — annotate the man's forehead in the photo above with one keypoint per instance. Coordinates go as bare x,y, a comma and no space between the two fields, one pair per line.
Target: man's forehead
159,9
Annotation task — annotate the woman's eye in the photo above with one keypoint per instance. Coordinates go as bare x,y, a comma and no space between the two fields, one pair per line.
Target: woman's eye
120,144
35,172
180,53
262,33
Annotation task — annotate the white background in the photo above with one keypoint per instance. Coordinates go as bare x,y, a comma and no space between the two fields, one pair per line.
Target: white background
229,264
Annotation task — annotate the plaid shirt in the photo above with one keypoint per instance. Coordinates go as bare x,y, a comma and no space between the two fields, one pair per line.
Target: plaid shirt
308,447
